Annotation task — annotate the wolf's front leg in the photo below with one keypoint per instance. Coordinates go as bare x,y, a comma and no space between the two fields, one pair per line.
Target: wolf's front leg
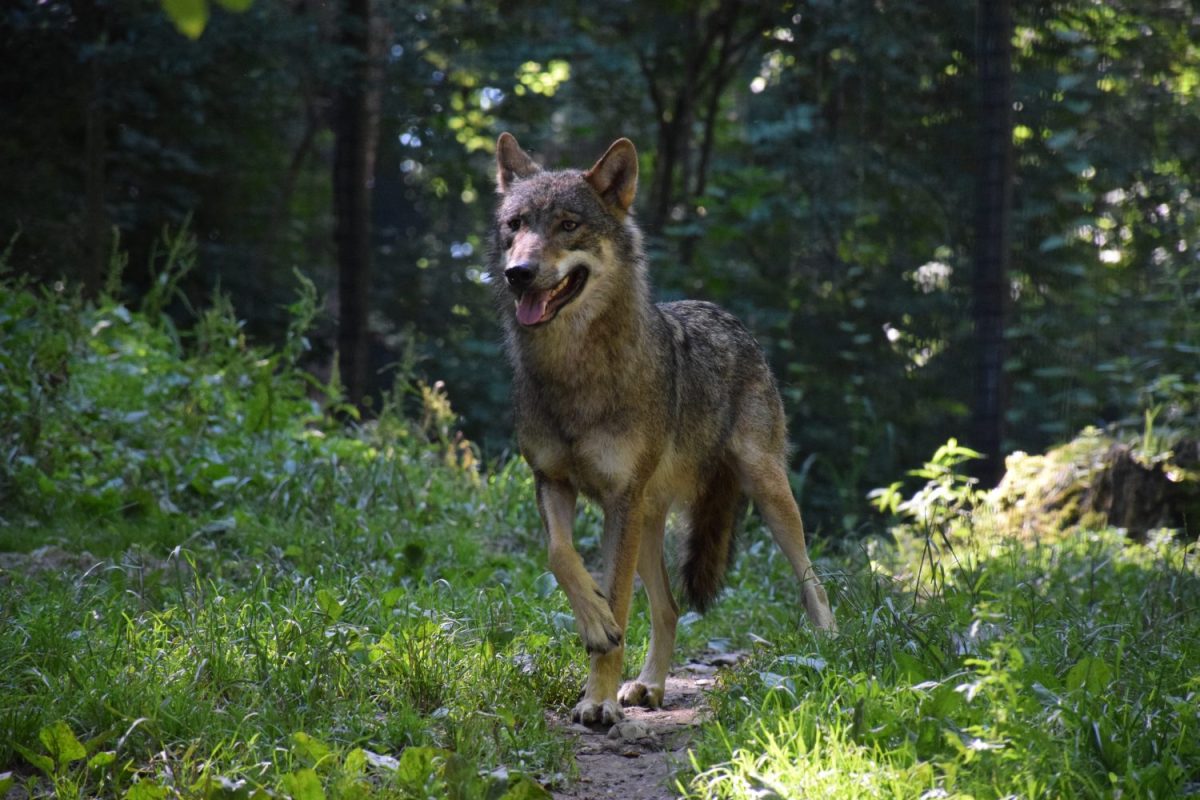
593,616
623,519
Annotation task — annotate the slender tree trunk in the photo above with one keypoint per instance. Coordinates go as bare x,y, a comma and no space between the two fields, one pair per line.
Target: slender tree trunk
993,211
686,81
356,131
674,136
95,149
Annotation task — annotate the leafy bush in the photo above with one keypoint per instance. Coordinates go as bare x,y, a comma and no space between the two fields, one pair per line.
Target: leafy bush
107,411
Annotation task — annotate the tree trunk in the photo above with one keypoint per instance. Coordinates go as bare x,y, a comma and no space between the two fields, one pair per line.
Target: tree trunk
993,196
356,132
686,80
95,147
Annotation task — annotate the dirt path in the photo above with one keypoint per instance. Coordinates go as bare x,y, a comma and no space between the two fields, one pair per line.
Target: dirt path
638,758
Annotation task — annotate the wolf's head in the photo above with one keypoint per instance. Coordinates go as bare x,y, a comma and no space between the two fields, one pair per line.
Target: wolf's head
563,243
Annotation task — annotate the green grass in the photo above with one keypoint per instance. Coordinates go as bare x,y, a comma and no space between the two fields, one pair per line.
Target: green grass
1007,669
245,598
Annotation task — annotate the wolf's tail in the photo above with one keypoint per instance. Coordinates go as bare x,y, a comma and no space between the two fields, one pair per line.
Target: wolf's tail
710,528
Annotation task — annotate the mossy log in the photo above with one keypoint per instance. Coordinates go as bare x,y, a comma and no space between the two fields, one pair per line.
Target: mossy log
1097,480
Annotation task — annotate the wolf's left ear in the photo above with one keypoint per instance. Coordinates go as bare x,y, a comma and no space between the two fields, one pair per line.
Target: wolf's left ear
614,176
512,163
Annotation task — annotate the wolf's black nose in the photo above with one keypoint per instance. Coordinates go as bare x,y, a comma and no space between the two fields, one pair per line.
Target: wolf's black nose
519,276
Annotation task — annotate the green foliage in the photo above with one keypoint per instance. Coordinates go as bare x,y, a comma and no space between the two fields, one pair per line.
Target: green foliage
166,433
947,498
1018,670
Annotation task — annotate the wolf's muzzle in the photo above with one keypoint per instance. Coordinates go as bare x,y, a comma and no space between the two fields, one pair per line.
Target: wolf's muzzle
520,276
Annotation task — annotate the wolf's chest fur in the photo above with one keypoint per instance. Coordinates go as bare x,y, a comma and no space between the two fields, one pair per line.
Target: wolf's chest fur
596,411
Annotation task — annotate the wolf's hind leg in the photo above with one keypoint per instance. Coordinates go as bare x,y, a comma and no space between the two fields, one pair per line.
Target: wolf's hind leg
765,479
648,688
593,617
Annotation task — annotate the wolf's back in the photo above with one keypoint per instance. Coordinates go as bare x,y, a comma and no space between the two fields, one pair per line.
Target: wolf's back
722,389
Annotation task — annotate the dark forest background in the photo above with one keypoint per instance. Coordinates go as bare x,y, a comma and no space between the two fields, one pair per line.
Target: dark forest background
895,195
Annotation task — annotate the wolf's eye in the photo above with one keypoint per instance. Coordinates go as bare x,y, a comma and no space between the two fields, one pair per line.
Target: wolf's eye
568,225
514,224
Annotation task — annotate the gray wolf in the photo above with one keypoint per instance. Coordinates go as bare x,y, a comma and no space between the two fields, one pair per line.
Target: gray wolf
642,408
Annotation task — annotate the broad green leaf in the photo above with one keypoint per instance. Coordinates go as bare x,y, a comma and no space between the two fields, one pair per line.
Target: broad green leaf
418,763
44,763
6,783
1091,674
310,749
461,778
102,759
303,785
355,762
943,701
61,743
189,16
329,604
146,790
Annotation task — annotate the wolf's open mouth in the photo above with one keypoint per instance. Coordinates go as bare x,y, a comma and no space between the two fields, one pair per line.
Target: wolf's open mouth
536,307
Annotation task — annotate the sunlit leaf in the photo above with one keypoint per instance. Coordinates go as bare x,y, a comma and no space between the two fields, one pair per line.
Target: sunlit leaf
61,743
189,16
329,603
146,790
44,763
310,749
303,784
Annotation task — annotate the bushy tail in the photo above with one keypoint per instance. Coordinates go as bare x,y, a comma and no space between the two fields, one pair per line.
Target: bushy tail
710,527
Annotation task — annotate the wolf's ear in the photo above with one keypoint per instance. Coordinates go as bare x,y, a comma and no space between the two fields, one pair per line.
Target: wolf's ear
512,163
614,176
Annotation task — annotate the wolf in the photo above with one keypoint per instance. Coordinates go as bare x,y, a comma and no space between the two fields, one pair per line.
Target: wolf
641,408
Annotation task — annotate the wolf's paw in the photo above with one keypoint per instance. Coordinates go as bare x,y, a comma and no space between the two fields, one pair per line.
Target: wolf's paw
816,603
589,712
598,629
636,693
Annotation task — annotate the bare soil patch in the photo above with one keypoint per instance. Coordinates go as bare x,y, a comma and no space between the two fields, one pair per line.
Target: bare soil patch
638,758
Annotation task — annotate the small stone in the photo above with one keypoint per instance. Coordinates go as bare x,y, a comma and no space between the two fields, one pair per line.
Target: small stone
630,731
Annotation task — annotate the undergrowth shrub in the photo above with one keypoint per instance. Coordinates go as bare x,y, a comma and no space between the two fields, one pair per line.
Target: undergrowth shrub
110,411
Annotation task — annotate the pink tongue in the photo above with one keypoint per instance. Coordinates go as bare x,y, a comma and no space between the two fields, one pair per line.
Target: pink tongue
532,307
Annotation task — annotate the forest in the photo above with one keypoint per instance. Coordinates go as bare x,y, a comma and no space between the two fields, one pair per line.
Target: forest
264,530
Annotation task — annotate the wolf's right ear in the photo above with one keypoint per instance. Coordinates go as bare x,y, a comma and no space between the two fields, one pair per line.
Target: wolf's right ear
615,175
512,163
